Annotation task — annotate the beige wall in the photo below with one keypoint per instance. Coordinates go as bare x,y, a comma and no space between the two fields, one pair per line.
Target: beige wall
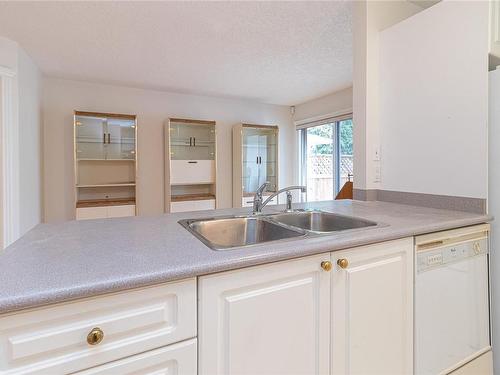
62,97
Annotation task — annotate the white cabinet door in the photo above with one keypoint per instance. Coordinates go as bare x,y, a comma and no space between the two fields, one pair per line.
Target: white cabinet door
121,211
178,359
104,212
271,319
198,205
186,172
89,213
372,310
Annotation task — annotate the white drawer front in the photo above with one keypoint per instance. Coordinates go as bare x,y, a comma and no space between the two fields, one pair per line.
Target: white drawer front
87,213
199,205
184,172
103,212
121,211
178,359
53,340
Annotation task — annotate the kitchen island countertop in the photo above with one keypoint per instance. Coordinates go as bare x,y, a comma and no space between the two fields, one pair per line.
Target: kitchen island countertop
59,262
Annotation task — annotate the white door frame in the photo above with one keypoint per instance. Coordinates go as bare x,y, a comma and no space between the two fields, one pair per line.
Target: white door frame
9,158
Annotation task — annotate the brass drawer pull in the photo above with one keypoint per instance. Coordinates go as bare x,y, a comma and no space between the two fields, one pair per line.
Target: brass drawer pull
95,336
343,263
326,265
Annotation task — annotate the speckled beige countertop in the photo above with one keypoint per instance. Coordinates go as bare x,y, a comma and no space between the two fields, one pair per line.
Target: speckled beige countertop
58,262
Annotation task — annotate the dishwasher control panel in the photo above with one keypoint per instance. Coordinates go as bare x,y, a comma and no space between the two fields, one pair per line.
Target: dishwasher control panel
435,257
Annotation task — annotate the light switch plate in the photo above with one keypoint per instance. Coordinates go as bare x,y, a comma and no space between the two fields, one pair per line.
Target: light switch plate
376,153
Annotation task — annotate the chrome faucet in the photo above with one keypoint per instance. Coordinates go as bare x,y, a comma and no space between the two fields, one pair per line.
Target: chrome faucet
258,205
257,199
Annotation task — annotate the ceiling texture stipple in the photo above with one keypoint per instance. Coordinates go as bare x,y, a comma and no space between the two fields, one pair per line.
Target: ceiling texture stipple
273,52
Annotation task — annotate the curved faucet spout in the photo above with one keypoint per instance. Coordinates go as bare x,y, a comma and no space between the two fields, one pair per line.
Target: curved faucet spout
257,199
258,205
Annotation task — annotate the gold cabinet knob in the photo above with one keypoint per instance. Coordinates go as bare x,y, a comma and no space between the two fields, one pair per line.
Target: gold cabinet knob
95,336
343,263
326,265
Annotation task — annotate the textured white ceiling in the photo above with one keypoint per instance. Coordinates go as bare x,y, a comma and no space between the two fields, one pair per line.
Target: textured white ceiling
273,52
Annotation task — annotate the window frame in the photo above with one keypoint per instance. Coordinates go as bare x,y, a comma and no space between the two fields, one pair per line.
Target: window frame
302,146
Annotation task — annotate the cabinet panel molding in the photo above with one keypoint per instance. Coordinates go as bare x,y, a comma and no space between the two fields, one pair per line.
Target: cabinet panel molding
372,310
53,340
178,359
271,319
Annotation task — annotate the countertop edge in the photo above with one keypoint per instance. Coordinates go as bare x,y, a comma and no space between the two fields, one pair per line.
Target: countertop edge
55,297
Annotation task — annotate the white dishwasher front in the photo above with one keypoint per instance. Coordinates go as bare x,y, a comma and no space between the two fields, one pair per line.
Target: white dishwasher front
452,324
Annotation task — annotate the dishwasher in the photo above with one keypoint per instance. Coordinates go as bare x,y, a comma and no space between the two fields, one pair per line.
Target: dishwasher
452,316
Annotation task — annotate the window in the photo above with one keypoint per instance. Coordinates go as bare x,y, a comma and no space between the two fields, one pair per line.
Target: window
326,153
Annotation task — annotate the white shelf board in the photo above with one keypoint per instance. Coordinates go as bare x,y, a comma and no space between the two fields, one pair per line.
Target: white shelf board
90,159
105,185
192,183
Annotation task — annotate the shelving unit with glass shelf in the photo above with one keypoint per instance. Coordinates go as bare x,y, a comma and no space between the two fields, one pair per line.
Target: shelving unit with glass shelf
105,152
190,162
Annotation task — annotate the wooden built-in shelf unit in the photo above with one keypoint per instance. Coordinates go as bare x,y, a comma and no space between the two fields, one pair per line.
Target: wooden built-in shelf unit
190,165
105,146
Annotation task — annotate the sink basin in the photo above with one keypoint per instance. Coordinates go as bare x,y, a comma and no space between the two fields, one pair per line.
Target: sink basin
321,222
224,233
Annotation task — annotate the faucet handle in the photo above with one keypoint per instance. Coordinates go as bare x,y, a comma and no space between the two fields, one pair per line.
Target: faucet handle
289,199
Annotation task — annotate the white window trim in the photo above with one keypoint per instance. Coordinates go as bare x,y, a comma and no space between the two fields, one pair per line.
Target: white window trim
326,118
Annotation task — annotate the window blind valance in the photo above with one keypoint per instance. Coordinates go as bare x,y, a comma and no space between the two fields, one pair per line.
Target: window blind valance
326,119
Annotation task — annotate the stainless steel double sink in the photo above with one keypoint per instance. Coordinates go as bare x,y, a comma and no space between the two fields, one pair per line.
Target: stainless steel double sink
222,233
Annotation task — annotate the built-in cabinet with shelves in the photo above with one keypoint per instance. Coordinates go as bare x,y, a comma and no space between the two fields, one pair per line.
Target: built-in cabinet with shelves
190,160
255,161
105,165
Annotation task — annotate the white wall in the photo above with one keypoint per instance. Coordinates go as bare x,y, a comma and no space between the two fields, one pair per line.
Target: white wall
329,104
369,18
8,53
153,108
434,101
30,179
